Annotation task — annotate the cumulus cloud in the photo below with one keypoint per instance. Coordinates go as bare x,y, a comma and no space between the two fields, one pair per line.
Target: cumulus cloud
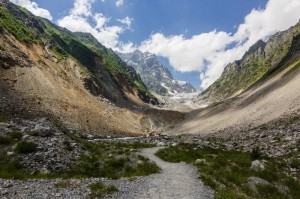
81,18
119,3
34,8
209,53
127,21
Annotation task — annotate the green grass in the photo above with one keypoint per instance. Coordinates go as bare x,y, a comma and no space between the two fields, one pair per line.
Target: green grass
3,119
68,145
63,184
11,137
5,140
16,27
99,190
227,172
112,160
26,147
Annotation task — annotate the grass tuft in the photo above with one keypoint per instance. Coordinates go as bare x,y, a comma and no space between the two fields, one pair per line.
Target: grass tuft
26,147
99,190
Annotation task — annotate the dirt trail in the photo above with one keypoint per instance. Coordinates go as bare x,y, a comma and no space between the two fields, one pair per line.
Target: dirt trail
176,180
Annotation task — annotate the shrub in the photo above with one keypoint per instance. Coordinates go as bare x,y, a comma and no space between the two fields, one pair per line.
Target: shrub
5,140
68,145
16,134
99,190
255,154
26,147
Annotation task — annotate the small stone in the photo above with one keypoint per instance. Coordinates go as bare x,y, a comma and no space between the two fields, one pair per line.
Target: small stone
257,165
10,153
140,162
253,181
43,131
5,192
7,185
4,125
200,161
58,195
160,144
174,144
44,171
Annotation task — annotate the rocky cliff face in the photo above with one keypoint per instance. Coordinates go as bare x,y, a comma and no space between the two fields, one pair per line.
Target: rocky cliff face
258,61
156,76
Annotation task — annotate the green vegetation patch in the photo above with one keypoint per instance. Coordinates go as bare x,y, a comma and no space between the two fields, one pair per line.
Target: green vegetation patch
99,190
227,172
26,147
16,27
112,160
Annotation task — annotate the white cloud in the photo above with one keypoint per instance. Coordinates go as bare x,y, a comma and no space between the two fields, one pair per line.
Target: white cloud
208,53
119,3
127,21
33,8
82,7
81,18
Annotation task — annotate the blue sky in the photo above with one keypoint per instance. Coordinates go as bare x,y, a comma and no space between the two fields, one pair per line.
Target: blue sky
196,39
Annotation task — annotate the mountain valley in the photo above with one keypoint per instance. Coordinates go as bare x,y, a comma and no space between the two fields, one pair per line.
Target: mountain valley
79,120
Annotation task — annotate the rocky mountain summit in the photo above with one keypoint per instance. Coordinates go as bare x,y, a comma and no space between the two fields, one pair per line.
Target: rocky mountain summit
156,76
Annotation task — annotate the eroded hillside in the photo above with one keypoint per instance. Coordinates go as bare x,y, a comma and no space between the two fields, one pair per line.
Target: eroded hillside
47,70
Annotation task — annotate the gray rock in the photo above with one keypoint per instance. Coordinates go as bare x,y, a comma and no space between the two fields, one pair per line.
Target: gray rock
10,153
257,165
200,161
4,125
43,131
253,181
160,144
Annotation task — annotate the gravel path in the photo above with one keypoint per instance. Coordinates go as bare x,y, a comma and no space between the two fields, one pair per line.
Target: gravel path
176,180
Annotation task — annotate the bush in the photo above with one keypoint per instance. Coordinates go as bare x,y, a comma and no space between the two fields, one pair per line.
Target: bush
255,154
5,140
26,147
16,134
99,190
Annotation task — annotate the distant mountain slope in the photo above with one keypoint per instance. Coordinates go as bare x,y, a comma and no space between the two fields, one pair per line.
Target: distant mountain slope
259,61
156,76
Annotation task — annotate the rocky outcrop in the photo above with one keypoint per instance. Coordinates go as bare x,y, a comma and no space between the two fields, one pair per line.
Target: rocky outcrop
156,76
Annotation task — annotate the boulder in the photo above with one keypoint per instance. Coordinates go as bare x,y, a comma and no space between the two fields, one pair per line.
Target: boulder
253,181
257,165
43,131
